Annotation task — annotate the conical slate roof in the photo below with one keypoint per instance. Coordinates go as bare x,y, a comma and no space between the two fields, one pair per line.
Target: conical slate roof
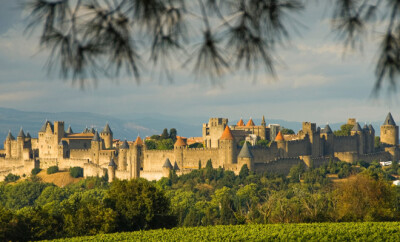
92,130
96,137
356,127
167,164
10,136
43,129
176,167
112,163
125,145
389,120
180,141
21,133
227,134
107,129
245,152
263,119
28,135
69,130
250,123
327,130
371,128
240,123
86,130
279,137
365,127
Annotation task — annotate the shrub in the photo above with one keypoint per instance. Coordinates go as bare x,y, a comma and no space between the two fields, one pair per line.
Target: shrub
35,171
52,170
11,178
76,171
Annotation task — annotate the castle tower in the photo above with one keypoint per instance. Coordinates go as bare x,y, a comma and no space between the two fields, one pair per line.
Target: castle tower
263,123
250,123
62,149
95,148
213,130
107,136
357,131
167,167
367,138
327,134
136,154
176,168
7,144
179,146
245,157
263,134
123,156
281,144
111,170
58,131
69,130
20,143
389,132
372,140
227,147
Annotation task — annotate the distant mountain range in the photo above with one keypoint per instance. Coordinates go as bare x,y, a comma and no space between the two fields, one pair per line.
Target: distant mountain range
126,127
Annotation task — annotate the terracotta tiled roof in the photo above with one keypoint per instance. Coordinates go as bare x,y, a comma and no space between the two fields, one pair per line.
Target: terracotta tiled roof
227,134
240,123
180,141
250,123
138,141
279,137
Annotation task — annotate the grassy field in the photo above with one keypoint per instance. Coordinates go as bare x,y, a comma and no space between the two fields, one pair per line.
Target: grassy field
381,231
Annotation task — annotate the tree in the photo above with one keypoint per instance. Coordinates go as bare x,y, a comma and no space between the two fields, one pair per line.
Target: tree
150,144
377,142
287,131
139,205
244,172
344,130
165,134
172,134
89,37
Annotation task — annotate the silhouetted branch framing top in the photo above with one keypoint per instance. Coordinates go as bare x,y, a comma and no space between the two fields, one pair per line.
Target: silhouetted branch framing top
91,37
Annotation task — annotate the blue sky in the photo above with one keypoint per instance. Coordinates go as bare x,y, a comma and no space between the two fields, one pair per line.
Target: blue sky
315,82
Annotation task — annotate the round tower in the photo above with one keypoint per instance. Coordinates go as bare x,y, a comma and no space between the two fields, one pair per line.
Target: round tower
179,146
107,136
245,157
356,130
389,132
227,147
167,168
111,170
122,156
327,134
95,148
281,144
7,144
20,143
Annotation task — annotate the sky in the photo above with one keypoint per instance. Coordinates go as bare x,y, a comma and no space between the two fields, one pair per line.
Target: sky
315,82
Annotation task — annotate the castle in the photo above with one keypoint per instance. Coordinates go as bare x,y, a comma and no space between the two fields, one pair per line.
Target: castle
99,154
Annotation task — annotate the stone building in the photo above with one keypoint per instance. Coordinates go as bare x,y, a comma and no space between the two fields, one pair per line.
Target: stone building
99,154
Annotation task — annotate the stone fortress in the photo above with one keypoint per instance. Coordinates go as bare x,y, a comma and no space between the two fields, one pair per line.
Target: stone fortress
99,154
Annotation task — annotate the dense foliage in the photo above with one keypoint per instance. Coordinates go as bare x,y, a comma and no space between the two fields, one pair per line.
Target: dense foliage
165,141
383,231
203,197
76,171
52,170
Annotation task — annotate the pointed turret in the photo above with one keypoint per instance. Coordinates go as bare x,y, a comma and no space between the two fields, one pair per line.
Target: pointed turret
365,128
28,135
371,128
107,129
250,123
96,137
138,141
180,142
263,123
43,128
279,137
10,136
356,128
125,145
69,130
240,123
245,152
111,170
176,167
327,130
112,163
167,164
227,134
21,133
389,120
